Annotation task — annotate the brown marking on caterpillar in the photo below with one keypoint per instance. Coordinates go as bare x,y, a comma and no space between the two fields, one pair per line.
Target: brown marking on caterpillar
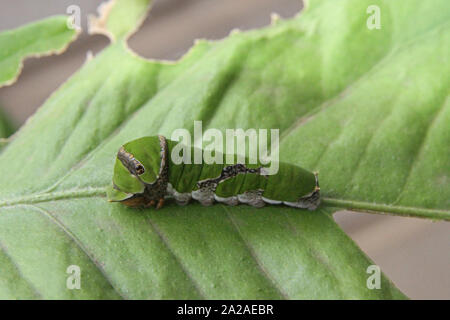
310,201
206,188
130,162
227,173
163,168
158,189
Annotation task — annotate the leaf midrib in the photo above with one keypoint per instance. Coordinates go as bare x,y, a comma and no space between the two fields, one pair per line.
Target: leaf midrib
329,202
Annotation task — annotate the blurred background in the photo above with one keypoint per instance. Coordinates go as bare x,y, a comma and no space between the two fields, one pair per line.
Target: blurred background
413,253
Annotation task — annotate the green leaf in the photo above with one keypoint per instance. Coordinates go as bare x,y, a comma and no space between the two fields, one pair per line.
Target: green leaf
6,127
46,37
367,108
382,141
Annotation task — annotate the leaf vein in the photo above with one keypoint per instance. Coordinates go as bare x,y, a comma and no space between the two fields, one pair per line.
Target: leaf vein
79,243
420,149
16,266
255,257
164,240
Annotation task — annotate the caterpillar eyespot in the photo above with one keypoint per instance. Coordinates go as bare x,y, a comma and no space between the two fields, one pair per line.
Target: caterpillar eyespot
145,175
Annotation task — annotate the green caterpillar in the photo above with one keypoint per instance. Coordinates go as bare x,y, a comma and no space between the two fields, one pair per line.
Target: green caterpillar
144,175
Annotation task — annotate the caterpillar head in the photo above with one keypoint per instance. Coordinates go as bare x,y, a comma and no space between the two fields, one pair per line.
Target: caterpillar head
137,164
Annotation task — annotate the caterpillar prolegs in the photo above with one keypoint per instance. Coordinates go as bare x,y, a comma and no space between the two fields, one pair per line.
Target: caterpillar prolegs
145,175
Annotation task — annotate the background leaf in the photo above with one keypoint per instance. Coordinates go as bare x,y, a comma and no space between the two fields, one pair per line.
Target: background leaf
339,93
6,127
49,36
